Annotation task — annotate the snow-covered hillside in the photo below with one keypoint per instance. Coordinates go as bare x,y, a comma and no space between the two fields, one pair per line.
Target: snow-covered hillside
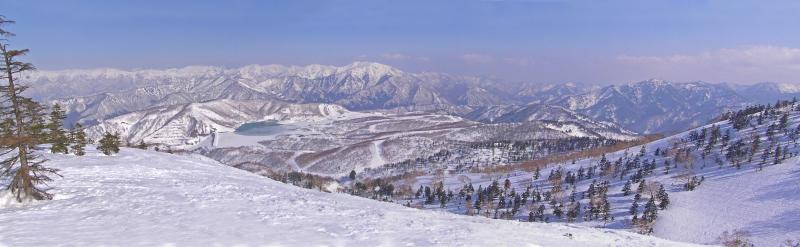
186,125
360,141
764,204
717,179
145,198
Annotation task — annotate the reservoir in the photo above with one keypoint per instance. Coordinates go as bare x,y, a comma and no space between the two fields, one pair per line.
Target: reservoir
263,128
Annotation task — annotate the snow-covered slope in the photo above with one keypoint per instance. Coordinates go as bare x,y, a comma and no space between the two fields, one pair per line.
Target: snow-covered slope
760,203
187,124
370,140
144,198
539,112
743,187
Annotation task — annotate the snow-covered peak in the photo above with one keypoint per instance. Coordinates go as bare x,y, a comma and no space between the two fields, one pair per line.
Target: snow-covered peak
653,82
111,73
275,70
789,87
371,69
72,74
314,71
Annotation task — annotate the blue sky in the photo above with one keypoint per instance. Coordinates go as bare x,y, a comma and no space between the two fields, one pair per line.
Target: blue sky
533,40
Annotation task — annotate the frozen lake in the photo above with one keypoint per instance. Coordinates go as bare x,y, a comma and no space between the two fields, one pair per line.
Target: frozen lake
263,128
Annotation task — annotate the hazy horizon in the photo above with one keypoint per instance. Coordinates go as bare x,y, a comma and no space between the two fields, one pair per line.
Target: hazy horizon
538,41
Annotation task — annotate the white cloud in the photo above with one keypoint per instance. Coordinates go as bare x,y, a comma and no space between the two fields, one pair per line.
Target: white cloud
744,64
746,56
423,59
477,58
397,57
394,56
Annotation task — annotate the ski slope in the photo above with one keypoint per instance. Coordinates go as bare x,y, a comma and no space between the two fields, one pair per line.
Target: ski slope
765,203
145,198
762,203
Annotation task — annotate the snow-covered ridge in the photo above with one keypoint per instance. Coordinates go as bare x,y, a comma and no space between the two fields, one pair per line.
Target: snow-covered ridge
308,71
186,125
145,198
653,106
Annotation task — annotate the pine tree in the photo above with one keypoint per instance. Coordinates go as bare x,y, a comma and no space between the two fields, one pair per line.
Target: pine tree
650,211
36,125
634,210
754,144
78,140
109,144
56,134
352,175
540,212
557,211
19,162
641,187
663,198
626,189
784,122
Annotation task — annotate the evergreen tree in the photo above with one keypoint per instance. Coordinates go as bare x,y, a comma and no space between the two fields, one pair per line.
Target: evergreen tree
650,211
109,144
36,125
634,210
754,144
605,208
352,175
56,134
641,187
784,122
540,212
626,189
25,169
663,198
557,211
78,140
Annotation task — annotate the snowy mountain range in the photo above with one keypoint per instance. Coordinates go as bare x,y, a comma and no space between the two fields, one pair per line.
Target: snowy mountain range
656,106
652,106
